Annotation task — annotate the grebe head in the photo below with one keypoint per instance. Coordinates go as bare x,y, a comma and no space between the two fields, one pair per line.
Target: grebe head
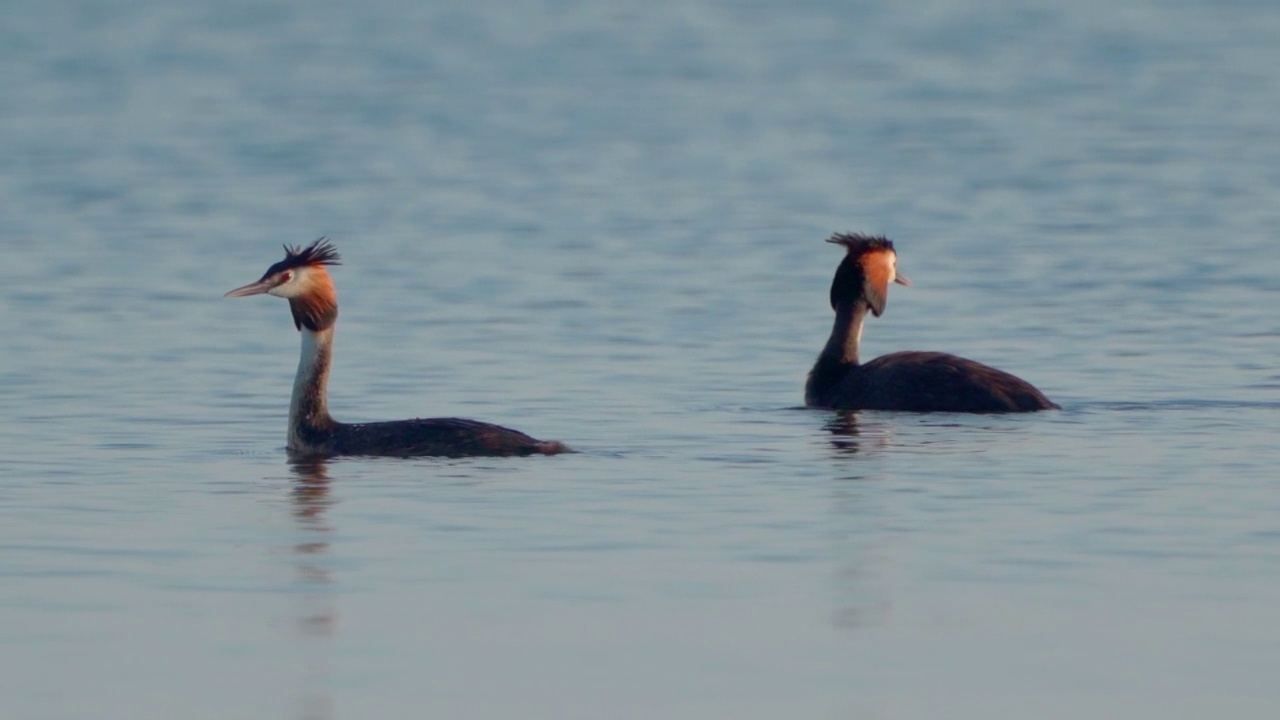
866,272
302,279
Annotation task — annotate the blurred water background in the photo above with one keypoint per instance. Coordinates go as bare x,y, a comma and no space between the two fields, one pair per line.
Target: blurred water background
602,222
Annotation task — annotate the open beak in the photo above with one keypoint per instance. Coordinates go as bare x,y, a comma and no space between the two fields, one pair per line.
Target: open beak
258,288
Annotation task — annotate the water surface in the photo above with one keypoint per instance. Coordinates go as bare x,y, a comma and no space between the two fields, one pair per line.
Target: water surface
603,223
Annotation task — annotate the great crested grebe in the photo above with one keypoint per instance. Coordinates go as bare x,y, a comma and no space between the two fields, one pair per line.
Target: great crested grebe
302,279
913,380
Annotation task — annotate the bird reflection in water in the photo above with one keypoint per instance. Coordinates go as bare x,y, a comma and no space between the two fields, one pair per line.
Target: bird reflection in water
844,432
860,594
318,615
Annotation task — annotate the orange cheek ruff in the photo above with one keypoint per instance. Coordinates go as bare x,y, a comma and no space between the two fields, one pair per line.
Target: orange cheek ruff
877,267
316,307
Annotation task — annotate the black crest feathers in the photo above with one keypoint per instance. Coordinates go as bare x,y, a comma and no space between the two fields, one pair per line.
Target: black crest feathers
857,243
320,252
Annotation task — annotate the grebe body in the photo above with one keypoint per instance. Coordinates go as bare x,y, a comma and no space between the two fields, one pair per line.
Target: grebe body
303,280
911,381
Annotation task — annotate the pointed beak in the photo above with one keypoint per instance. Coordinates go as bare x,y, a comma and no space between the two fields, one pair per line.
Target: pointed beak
896,278
257,288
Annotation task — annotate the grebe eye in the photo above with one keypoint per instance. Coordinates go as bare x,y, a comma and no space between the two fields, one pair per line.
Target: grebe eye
286,277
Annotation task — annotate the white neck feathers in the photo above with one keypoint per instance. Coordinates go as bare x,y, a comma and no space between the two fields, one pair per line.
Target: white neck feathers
309,406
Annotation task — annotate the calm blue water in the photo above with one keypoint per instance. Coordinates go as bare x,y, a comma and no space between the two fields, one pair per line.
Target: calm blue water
603,223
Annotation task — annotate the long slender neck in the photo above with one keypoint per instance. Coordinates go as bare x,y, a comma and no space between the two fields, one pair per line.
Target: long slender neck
839,359
309,405
846,334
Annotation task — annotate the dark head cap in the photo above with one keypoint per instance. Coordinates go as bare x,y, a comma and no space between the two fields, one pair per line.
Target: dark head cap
320,252
857,243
